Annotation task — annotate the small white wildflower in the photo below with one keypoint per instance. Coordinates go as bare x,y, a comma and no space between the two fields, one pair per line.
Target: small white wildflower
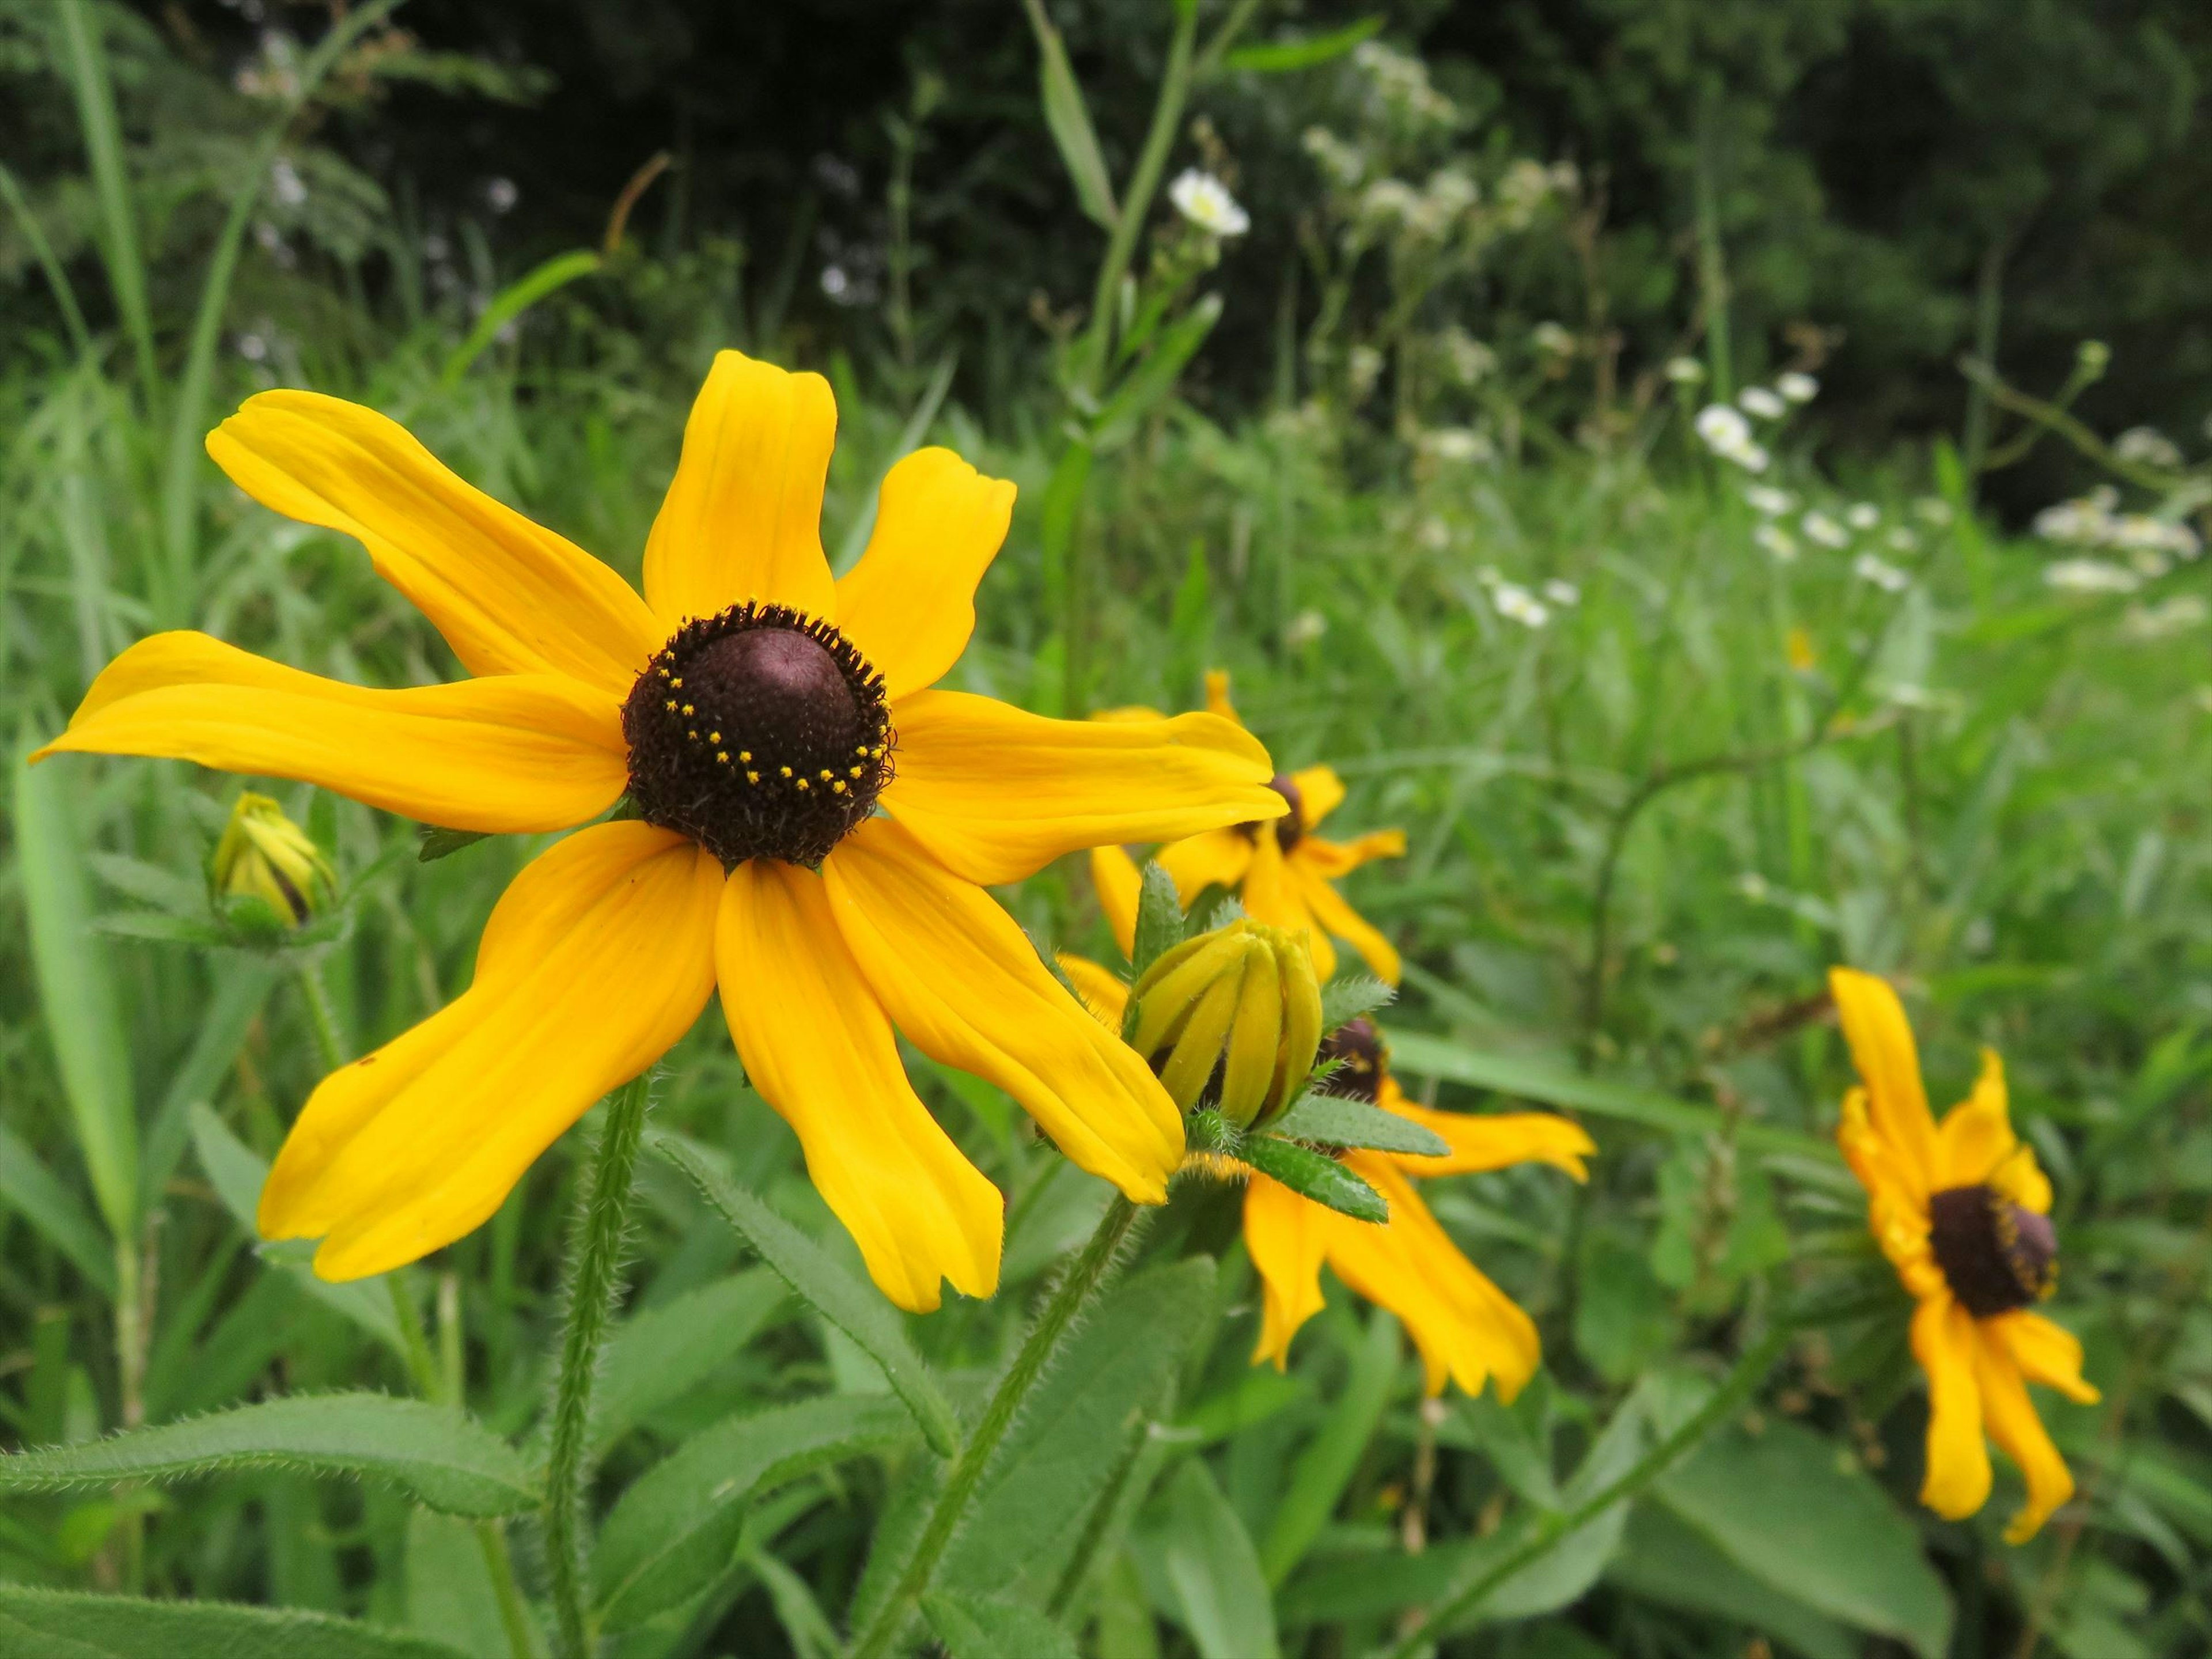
1723,429
1753,886
2139,532
2090,576
2146,446
1563,594
1388,201
1777,541
1883,575
1344,163
1901,540
285,183
1768,501
1206,202
1862,515
1516,604
1820,527
1305,628
1456,444
1796,385
835,282
1686,371
2086,521
1552,339
1752,457
1757,400
501,194
2149,563
252,348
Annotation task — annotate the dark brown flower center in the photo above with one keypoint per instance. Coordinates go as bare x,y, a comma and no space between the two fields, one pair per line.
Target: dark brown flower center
1996,1256
760,733
1356,1046
1290,827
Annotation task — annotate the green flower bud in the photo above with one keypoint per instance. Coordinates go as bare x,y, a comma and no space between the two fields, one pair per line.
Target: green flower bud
264,855
1230,1019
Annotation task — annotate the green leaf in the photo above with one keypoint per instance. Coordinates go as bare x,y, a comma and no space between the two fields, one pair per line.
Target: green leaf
671,1536
436,844
664,1351
1153,379
1348,996
1311,1174
237,1172
1325,1468
1074,1435
36,1194
450,1594
1069,119
1159,919
854,1307
1061,517
1662,1560
40,1624
444,1457
241,990
982,1627
1335,1121
1795,1511
159,927
1282,56
76,992
1212,1572
510,302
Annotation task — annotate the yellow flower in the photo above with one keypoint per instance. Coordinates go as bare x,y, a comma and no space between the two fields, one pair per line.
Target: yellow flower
1232,1016
1962,1211
814,826
1468,1330
264,855
1283,878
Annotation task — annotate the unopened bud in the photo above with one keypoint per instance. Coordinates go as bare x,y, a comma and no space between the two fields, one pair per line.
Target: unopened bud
1231,1019
264,855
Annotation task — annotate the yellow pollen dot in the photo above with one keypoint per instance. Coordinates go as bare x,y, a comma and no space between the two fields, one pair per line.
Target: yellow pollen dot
783,771
713,737
839,786
671,705
664,673
688,709
802,783
826,775
723,755
855,772
752,777
862,752
744,754
693,735
677,682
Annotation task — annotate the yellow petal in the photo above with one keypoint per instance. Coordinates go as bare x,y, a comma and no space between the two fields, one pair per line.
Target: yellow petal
1897,1213
963,983
1218,858
1975,1144
1467,1329
1332,913
743,519
818,1046
1119,883
1338,859
2045,1352
1100,987
509,596
512,753
1271,894
1320,792
997,793
2019,1434
1217,695
909,604
1496,1141
1282,1232
1943,1341
1881,1043
596,960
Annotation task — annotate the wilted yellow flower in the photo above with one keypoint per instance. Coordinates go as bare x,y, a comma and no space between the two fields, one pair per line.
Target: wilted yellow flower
1963,1213
264,855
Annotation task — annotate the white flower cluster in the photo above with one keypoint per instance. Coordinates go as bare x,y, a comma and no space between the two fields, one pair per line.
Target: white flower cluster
1455,446
2151,543
1869,568
2146,446
1727,434
1516,604
1206,202
2090,576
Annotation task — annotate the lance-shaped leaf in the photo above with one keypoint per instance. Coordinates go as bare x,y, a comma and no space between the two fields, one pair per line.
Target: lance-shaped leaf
1313,1175
62,1625
1331,1121
1348,996
1159,918
1069,117
985,1627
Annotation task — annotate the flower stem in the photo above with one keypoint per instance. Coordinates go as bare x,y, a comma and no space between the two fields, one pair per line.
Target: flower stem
595,1247
1084,1276
322,1017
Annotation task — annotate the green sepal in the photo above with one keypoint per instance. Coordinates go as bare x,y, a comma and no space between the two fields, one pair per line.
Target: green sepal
438,843
1348,996
1314,1175
1159,919
1333,1120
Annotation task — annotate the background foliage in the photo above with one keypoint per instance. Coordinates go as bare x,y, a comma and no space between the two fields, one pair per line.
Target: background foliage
1649,799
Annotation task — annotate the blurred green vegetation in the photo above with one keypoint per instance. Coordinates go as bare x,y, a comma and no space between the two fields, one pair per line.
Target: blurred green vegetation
1664,747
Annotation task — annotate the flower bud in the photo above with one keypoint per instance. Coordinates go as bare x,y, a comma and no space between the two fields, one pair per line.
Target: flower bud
1230,1019
264,855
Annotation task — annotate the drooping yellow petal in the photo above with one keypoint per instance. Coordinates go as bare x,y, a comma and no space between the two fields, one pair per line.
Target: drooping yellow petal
1467,1329
1338,859
1320,792
2019,1434
1100,987
909,604
510,596
1496,1141
962,982
997,793
512,753
596,960
1217,695
1943,1341
1332,913
1975,1147
743,519
818,1046
1216,858
1897,1215
1283,1234
1881,1039
1272,894
2045,1352
1119,883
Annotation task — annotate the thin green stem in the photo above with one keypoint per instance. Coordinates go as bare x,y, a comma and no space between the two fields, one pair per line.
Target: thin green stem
1084,1276
322,1019
595,1247
420,1366
513,1616
1748,1373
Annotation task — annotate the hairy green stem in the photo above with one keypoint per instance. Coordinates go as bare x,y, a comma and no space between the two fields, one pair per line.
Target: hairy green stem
1083,1277
322,1019
595,1247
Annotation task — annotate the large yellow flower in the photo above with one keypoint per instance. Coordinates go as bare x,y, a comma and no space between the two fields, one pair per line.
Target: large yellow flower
1962,1211
812,826
1284,878
1468,1330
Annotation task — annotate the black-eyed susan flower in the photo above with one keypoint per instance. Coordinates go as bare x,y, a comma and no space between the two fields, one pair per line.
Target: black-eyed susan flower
811,825
1963,1212
1468,1330
1283,871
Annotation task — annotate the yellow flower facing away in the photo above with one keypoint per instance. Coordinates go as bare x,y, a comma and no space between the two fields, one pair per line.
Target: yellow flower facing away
1468,1330
264,855
812,825
1234,1014
1963,1212
1283,871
